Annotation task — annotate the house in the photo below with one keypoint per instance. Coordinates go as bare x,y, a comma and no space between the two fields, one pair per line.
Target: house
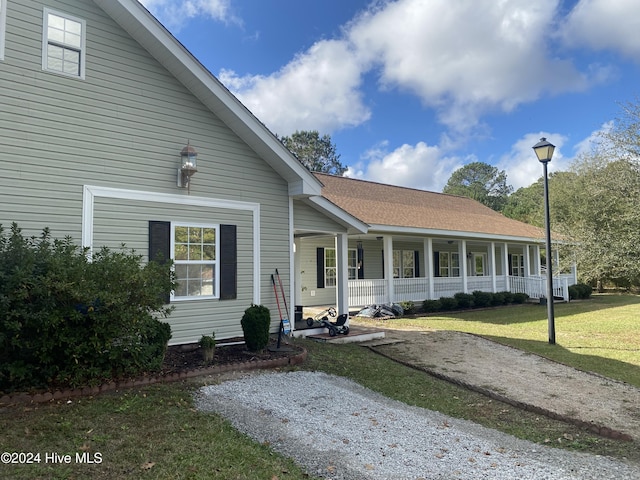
419,245
106,118
112,133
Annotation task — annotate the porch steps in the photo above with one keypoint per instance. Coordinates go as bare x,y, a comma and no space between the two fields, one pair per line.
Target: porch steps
356,334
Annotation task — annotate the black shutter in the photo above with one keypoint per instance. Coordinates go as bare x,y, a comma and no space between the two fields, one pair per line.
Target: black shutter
159,241
228,262
360,261
383,264
416,262
160,245
510,264
320,267
436,264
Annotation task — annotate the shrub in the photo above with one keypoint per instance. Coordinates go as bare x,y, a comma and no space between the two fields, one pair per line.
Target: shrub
580,291
430,306
408,307
585,290
574,292
255,327
520,297
498,299
481,299
448,303
465,300
65,320
508,297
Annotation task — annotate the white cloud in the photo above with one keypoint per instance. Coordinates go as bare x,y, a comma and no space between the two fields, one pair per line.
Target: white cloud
318,90
175,13
465,57
420,166
522,165
605,24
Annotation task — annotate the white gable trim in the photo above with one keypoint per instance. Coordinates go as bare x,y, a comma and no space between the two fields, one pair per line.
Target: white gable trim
90,192
167,50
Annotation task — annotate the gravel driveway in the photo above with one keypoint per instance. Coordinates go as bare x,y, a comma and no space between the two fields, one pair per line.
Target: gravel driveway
337,429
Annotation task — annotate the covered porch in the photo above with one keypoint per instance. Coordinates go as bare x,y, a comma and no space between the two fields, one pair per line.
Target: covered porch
382,268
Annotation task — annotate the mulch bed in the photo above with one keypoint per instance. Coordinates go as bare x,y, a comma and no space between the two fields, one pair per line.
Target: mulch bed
182,358
180,362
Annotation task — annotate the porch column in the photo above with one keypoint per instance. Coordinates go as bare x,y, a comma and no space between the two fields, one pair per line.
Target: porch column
492,262
505,262
297,273
536,255
463,261
342,280
387,245
527,261
428,266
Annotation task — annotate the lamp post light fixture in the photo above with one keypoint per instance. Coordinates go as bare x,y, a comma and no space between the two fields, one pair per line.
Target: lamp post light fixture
544,152
188,166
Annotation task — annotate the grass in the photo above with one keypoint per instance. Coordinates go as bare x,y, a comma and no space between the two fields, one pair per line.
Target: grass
156,433
152,433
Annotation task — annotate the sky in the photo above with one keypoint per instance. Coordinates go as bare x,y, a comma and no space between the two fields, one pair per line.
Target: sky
411,90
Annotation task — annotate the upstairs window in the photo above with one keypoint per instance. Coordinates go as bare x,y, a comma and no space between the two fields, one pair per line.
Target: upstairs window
63,44
3,25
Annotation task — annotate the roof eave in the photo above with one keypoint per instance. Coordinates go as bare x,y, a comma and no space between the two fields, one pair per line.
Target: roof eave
339,215
453,234
166,49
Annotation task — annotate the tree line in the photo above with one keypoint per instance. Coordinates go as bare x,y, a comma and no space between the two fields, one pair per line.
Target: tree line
594,205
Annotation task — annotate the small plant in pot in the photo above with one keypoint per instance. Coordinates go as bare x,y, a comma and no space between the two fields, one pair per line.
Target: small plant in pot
208,347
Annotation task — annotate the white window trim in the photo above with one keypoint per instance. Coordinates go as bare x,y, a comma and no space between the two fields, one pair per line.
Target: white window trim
91,192
483,257
451,269
3,26
401,267
216,262
350,268
45,42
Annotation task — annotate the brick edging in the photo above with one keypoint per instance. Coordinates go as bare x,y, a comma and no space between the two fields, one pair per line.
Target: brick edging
42,397
601,430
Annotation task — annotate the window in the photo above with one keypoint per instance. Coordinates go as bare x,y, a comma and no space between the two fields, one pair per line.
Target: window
331,266
404,264
3,23
195,252
63,44
517,265
479,262
449,264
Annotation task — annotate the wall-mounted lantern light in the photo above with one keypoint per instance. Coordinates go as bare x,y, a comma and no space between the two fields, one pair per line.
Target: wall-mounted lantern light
188,166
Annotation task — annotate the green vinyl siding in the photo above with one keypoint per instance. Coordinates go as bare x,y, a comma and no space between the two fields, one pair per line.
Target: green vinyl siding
123,126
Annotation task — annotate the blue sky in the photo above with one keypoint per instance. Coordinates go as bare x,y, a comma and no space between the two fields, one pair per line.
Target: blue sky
411,90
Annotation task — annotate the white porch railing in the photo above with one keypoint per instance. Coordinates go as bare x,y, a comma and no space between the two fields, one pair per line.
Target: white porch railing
410,289
367,292
536,286
375,291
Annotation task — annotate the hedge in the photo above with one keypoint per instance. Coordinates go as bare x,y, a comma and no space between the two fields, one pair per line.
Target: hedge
67,320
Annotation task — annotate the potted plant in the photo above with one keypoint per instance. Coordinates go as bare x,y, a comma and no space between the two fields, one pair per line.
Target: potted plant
208,346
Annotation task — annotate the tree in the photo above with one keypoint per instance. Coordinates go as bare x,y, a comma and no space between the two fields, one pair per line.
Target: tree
316,153
527,203
604,221
482,182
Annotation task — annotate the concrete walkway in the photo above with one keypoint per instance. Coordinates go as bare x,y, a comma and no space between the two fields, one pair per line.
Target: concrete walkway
606,406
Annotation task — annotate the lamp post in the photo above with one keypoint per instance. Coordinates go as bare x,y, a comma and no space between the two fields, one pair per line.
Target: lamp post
544,152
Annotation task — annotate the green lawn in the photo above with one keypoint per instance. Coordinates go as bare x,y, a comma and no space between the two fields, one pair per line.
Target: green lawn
601,334
156,433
